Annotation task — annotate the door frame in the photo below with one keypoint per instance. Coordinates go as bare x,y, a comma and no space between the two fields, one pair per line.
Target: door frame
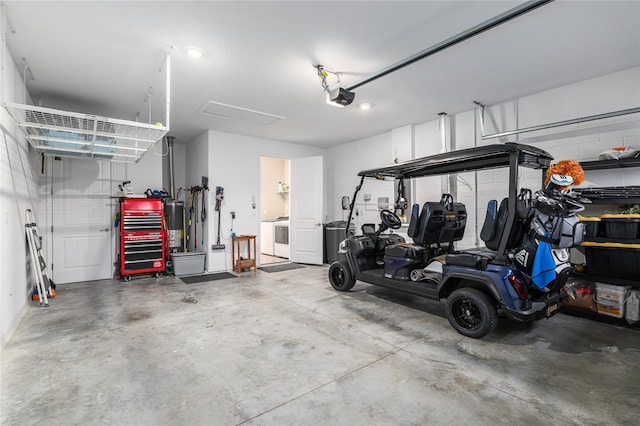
46,208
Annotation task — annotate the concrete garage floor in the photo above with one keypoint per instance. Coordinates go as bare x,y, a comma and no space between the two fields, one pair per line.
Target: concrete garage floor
285,349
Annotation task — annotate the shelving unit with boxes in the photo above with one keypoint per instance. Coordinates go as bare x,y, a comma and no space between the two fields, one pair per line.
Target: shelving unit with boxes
611,275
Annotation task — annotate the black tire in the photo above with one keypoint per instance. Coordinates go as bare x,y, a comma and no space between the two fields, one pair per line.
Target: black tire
471,312
341,277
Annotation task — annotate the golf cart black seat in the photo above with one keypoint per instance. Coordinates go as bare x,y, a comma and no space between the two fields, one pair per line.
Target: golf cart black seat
492,231
495,223
438,223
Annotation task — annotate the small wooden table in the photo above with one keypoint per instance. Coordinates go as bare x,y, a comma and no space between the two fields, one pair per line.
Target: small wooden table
248,263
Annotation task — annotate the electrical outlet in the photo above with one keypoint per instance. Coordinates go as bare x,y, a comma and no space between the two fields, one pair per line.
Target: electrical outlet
233,215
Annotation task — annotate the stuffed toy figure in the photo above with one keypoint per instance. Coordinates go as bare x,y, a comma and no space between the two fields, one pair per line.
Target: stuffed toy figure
568,168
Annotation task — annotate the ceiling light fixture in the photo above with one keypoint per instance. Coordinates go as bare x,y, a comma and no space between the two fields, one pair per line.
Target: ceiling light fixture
365,106
336,96
194,52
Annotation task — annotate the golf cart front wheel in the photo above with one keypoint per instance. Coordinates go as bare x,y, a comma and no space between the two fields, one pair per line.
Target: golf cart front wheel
471,312
341,277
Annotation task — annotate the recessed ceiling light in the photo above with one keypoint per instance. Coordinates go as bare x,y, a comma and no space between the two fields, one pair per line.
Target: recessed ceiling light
365,106
194,52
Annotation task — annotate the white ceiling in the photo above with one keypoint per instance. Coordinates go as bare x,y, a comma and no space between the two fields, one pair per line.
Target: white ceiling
101,57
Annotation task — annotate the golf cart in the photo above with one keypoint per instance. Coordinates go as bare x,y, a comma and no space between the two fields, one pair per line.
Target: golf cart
520,272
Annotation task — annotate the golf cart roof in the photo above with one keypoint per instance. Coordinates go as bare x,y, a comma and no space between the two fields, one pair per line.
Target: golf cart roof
465,160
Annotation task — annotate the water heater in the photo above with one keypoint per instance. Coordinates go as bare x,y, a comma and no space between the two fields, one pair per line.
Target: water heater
174,218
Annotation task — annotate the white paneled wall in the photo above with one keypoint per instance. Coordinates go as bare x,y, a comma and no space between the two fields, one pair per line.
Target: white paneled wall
612,92
18,192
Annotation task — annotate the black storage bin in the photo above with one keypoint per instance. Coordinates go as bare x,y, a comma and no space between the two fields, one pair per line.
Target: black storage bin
621,226
591,226
613,262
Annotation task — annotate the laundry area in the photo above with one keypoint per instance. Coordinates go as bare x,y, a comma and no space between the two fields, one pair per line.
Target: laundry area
229,213
274,214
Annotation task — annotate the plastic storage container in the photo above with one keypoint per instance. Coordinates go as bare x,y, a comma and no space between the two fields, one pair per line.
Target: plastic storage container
591,226
613,260
611,299
188,263
621,226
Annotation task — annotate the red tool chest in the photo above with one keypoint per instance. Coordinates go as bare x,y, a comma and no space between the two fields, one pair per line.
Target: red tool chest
142,237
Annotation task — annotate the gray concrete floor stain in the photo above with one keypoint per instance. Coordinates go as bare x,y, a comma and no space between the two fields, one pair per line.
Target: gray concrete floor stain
189,299
285,349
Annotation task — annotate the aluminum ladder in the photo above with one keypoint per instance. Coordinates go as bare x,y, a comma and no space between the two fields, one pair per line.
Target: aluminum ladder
44,285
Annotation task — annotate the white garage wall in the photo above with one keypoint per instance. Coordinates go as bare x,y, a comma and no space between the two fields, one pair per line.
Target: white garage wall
18,192
341,169
146,173
617,91
234,164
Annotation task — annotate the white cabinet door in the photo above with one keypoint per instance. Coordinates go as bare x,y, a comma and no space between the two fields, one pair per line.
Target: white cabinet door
306,195
81,217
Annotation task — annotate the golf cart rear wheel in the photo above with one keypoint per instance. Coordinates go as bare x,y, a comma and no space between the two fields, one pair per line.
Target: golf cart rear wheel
471,312
340,277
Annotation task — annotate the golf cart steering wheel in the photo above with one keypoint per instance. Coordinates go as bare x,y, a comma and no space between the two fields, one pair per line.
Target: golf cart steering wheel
390,219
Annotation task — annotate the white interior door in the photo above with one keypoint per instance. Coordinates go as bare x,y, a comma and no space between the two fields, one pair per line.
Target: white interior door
306,195
81,218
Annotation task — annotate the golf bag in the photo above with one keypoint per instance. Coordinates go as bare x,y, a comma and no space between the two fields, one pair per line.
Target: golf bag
553,228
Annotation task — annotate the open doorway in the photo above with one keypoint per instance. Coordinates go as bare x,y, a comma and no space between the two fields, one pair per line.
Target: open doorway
274,210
